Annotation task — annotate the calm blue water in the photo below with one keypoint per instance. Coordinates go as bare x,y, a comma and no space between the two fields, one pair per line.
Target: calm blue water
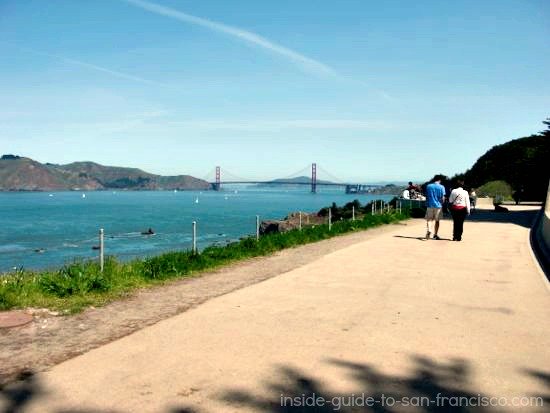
65,225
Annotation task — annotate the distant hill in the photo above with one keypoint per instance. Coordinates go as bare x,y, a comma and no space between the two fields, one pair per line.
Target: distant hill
522,163
298,180
24,174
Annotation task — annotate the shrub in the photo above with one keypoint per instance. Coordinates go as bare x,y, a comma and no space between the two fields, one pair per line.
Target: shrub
166,265
12,287
495,189
77,278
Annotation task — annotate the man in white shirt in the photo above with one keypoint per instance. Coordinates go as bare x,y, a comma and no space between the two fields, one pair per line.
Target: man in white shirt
459,202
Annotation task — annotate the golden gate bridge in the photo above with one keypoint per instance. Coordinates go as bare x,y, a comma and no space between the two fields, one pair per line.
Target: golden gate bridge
219,177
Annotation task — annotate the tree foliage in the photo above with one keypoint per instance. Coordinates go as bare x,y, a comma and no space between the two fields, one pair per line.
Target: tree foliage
523,163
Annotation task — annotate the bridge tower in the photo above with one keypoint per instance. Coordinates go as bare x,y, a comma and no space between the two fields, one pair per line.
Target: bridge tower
218,184
314,178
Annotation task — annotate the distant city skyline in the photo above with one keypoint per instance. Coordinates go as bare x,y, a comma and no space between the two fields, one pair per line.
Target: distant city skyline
385,91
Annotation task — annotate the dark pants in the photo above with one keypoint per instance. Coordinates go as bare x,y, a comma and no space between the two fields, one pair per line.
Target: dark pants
459,215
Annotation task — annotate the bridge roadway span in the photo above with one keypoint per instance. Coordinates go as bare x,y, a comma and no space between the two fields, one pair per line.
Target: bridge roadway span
390,315
292,183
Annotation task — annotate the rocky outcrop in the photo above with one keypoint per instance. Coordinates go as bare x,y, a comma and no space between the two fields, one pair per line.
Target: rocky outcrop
273,226
289,223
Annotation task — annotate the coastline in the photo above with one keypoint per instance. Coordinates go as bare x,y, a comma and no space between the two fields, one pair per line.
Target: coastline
42,232
52,338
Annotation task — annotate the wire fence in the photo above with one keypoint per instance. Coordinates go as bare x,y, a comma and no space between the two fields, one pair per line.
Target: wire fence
377,207
101,245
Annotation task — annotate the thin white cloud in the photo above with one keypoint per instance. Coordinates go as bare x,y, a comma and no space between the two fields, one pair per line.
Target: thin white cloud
304,62
273,125
91,66
72,131
114,126
111,72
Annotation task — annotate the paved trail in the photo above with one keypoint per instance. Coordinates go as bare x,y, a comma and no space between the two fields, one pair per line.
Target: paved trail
390,316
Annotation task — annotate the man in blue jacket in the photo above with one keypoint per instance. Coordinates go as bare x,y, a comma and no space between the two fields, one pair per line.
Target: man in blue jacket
435,197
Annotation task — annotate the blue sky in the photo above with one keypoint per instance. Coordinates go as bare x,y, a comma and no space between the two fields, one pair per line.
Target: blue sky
370,90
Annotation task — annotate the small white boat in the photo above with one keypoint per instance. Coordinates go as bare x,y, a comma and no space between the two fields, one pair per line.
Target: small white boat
83,195
196,200
50,195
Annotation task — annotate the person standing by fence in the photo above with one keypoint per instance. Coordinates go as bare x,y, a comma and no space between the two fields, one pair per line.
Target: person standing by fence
459,202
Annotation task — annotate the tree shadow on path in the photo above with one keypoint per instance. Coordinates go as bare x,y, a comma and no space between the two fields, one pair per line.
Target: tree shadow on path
431,387
18,395
15,397
544,378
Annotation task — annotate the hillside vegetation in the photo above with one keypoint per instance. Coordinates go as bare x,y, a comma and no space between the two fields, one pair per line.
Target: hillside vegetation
522,163
495,189
24,174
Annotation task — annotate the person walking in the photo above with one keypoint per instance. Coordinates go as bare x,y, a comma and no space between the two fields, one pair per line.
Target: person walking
435,196
459,202
473,200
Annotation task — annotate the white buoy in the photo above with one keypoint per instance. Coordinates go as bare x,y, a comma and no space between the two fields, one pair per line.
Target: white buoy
83,195
50,195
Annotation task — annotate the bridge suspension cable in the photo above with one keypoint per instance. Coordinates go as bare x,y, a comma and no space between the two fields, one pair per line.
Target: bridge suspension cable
210,176
228,176
302,172
315,172
331,177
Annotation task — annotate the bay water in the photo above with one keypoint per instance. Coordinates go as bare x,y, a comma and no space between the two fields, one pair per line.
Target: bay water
40,230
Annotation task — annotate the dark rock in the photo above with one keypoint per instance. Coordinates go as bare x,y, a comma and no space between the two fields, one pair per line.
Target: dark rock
273,226
292,221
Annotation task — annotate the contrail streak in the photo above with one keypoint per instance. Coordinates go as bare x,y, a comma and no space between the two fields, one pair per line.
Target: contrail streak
111,72
93,67
305,62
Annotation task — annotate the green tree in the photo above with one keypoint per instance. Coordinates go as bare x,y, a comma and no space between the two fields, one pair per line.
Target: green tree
522,163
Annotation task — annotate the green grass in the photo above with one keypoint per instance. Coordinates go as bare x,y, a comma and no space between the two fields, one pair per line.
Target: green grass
81,284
